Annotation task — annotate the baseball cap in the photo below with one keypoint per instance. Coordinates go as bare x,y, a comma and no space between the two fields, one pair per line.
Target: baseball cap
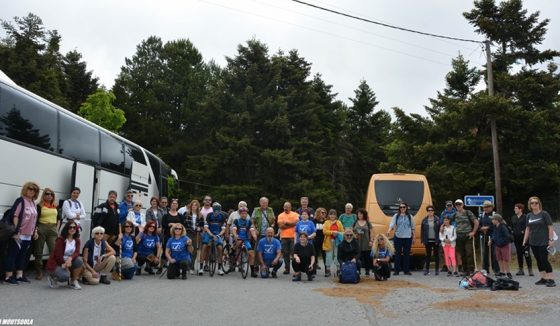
449,203
487,203
459,201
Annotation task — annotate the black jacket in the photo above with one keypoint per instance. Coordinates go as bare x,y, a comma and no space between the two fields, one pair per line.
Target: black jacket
519,224
348,250
107,217
424,228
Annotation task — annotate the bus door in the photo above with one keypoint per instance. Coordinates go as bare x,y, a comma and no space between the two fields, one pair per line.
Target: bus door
140,182
83,177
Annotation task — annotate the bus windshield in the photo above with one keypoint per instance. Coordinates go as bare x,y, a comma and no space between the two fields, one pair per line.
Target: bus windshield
390,193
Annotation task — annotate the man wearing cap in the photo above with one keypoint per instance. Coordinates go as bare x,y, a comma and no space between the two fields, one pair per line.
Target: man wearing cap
466,227
486,233
126,206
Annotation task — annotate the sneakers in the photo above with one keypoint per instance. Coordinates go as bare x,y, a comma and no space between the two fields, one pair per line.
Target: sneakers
449,273
53,283
220,271
74,285
531,272
456,274
542,281
192,271
184,275
138,271
409,273
309,277
520,273
286,272
395,273
159,271
23,279
296,278
149,270
200,271
509,275
550,283
274,275
426,272
437,273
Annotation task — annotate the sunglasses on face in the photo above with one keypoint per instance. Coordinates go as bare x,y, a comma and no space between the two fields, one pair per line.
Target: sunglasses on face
72,227
137,205
32,189
178,229
402,207
128,226
48,194
458,204
348,235
534,203
98,233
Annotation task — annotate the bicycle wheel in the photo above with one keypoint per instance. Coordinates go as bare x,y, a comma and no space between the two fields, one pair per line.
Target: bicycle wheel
212,259
226,259
244,263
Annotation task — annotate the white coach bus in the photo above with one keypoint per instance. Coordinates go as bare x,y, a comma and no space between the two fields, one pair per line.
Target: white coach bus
42,142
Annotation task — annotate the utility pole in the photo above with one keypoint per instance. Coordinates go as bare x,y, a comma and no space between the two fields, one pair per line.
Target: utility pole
494,133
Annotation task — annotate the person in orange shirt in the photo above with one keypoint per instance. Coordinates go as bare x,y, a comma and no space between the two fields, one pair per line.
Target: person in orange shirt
287,221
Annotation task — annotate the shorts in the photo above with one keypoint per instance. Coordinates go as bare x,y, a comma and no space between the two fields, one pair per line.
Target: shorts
247,244
503,253
206,239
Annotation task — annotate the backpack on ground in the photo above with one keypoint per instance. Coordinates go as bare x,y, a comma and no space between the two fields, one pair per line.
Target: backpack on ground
349,273
476,281
503,283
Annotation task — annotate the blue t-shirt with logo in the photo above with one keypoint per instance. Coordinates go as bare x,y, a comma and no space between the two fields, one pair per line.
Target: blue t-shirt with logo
243,226
215,221
148,244
268,248
127,246
178,248
304,226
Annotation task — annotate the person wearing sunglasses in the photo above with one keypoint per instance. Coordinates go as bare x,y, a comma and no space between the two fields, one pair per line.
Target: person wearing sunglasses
178,252
403,224
47,229
23,219
349,249
99,258
137,217
381,253
429,234
106,215
206,206
539,234
65,263
129,250
466,227
149,248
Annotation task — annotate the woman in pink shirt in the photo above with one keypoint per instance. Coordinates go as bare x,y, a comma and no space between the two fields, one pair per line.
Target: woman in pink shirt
24,219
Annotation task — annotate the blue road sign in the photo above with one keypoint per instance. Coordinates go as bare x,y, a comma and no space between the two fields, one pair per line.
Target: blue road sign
477,200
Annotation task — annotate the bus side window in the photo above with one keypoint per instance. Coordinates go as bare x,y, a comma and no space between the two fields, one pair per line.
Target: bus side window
78,140
112,153
28,120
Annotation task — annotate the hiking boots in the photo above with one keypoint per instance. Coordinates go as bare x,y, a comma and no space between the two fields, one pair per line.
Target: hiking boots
550,283
104,279
542,281
520,273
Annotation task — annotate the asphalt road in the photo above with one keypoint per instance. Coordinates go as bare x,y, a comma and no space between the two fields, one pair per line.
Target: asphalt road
230,300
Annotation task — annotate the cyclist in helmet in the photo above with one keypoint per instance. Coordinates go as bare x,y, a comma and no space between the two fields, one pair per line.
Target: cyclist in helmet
215,227
243,231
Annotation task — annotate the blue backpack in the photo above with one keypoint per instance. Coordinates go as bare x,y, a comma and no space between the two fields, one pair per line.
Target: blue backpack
349,273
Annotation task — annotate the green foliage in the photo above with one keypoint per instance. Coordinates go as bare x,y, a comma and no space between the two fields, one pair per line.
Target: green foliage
98,108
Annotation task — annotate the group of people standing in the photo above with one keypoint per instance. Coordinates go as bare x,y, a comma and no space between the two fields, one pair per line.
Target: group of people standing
127,239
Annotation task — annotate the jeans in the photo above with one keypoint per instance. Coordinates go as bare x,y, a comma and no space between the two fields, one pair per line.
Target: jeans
402,254
331,256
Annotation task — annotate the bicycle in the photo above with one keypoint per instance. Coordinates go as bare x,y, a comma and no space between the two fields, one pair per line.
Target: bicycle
228,264
212,261
242,259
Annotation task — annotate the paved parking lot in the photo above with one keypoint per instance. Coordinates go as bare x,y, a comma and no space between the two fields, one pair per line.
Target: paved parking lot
230,300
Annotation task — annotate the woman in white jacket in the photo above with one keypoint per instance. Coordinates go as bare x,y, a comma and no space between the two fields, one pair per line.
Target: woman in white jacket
447,235
137,217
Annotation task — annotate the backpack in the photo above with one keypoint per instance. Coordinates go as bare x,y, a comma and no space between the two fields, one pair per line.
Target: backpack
476,281
397,220
349,273
503,283
509,233
7,227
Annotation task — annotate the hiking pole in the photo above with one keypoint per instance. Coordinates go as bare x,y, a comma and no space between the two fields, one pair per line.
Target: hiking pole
474,255
481,246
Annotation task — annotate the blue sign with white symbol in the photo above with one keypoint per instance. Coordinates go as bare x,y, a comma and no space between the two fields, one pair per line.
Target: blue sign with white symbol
477,200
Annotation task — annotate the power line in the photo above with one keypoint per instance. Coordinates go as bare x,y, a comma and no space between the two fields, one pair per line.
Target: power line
386,25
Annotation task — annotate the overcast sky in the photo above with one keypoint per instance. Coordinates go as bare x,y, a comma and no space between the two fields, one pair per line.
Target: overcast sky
403,69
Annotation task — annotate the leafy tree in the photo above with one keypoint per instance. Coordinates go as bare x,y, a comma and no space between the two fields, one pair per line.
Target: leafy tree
79,81
98,108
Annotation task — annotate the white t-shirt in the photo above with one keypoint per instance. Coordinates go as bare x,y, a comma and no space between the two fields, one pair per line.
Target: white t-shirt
70,248
96,252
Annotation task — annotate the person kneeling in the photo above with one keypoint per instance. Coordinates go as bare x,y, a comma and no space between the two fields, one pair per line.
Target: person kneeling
178,252
381,253
269,253
65,264
129,251
304,258
99,258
